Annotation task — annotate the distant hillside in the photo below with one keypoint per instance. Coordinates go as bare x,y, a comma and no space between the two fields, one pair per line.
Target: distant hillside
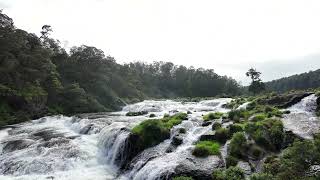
300,81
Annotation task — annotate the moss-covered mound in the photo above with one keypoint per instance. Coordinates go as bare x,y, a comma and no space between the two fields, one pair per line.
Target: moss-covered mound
153,131
206,148
212,116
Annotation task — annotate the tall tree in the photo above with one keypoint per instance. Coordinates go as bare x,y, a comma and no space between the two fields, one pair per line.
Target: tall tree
256,85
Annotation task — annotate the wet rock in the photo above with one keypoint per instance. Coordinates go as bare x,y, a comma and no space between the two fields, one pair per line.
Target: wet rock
198,168
245,166
14,145
177,140
139,113
173,111
209,136
189,112
206,123
285,100
47,134
86,129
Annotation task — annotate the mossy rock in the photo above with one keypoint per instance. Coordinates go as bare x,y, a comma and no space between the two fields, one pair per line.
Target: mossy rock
212,116
206,148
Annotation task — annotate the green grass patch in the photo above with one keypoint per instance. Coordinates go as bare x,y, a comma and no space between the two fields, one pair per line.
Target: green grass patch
182,178
206,148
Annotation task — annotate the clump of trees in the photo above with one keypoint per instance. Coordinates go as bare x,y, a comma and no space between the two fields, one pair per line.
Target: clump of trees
38,77
256,86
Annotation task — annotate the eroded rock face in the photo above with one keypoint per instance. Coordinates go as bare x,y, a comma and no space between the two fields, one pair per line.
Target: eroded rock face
16,145
209,136
285,101
245,166
198,168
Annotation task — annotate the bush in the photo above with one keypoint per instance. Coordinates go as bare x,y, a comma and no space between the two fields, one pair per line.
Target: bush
267,133
182,178
234,128
236,115
261,176
153,131
212,116
206,148
256,152
231,161
232,173
222,135
238,145
259,117
216,126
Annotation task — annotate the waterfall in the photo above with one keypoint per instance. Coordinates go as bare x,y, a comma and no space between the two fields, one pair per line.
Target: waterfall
93,146
302,120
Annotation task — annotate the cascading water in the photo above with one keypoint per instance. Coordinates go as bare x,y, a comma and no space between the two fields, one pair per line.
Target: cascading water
91,146
302,120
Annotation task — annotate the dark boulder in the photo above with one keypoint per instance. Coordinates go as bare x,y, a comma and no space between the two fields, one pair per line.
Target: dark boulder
209,136
14,145
206,123
177,140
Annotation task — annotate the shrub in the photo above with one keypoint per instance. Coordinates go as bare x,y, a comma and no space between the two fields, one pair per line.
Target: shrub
232,173
231,161
222,135
212,116
238,145
216,126
236,115
153,131
206,148
182,178
259,117
256,152
261,176
267,133
234,128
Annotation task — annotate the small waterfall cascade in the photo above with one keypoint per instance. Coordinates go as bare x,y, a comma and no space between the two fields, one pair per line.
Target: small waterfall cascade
302,120
92,146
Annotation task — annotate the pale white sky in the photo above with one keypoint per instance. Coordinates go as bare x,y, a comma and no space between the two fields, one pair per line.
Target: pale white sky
279,37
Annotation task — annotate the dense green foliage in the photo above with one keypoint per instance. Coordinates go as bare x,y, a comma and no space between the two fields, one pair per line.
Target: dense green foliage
256,86
212,116
153,131
38,77
296,82
232,173
206,148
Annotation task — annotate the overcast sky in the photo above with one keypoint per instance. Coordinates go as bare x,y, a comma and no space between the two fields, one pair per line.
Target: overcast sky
278,37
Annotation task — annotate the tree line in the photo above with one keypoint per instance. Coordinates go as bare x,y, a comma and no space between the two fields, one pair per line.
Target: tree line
39,77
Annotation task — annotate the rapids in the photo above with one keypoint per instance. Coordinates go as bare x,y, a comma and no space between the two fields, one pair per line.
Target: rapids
90,146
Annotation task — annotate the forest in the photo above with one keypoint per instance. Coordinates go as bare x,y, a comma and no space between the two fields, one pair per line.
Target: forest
38,77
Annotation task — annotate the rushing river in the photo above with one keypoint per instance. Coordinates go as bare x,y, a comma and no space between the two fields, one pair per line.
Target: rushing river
91,146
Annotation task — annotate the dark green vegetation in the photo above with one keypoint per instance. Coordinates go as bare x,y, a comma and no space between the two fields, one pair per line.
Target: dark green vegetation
296,82
206,148
232,173
38,77
256,86
212,116
140,113
153,131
